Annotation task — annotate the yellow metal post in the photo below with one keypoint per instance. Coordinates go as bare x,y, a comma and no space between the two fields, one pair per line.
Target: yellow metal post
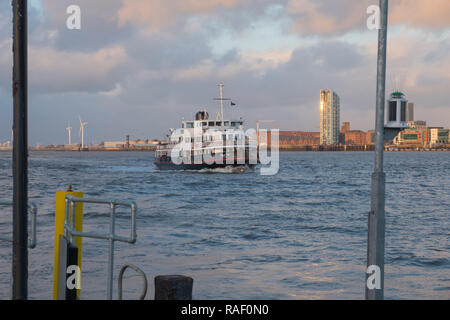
59,230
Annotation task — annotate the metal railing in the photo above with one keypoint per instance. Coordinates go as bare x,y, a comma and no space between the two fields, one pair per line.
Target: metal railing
120,280
70,232
33,213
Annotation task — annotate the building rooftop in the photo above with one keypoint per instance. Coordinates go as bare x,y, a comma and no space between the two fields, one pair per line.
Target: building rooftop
397,95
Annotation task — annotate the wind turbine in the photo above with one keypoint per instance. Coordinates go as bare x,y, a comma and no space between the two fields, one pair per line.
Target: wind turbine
82,125
69,129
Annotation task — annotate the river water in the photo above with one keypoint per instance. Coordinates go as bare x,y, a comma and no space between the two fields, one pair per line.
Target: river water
300,234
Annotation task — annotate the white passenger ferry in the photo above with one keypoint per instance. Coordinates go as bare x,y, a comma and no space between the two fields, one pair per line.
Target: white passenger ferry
208,143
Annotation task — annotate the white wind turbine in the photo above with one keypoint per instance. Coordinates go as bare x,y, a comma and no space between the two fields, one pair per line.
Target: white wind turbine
82,125
69,130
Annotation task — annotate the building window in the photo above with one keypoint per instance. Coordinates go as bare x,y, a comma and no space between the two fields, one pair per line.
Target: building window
403,112
393,111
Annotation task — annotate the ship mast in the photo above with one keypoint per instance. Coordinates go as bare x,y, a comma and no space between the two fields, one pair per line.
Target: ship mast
221,99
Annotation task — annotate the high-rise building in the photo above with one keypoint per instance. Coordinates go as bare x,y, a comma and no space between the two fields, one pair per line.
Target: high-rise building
397,113
329,117
410,116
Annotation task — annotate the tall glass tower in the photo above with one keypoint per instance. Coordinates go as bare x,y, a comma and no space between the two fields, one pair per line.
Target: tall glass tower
329,117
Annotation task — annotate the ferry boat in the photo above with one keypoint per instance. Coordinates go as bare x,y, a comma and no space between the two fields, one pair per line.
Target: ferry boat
204,143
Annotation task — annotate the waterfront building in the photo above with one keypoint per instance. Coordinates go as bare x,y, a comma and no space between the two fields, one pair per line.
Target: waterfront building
345,127
329,117
131,144
352,137
5,146
397,111
114,144
439,136
292,139
413,137
370,137
356,137
417,124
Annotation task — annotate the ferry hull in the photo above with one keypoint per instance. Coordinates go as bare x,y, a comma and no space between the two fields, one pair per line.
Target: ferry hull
198,166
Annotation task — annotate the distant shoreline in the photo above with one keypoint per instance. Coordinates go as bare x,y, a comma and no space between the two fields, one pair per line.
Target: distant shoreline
294,149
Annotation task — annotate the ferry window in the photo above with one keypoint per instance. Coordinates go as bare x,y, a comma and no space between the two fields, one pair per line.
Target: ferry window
183,125
226,123
204,124
211,123
233,124
240,123
189,125
219,124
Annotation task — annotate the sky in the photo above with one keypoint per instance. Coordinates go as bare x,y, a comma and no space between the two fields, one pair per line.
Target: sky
137,67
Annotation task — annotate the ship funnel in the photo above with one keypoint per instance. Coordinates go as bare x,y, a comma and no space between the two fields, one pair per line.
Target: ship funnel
202,115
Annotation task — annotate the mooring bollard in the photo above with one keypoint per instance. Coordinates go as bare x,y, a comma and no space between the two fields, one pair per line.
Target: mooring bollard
173,287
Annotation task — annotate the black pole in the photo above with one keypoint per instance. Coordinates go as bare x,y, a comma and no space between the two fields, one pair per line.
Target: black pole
20,151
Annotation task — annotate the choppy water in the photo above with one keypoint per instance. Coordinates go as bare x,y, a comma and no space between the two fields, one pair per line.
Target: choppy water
298,235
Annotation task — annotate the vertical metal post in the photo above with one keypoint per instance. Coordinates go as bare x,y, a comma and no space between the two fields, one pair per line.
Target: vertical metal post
111,253
20,151
376,223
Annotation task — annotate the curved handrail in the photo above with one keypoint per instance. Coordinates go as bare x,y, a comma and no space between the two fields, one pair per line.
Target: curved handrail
120,280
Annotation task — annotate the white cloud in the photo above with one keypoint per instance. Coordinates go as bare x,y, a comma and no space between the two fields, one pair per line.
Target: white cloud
67,71
114,92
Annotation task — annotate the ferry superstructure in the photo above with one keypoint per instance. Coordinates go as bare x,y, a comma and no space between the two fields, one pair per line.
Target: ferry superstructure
208,143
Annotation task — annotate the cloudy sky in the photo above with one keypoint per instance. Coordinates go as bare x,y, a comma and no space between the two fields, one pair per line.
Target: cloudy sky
138,66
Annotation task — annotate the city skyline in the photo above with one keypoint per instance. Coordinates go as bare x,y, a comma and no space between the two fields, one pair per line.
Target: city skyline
128,71
396,106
